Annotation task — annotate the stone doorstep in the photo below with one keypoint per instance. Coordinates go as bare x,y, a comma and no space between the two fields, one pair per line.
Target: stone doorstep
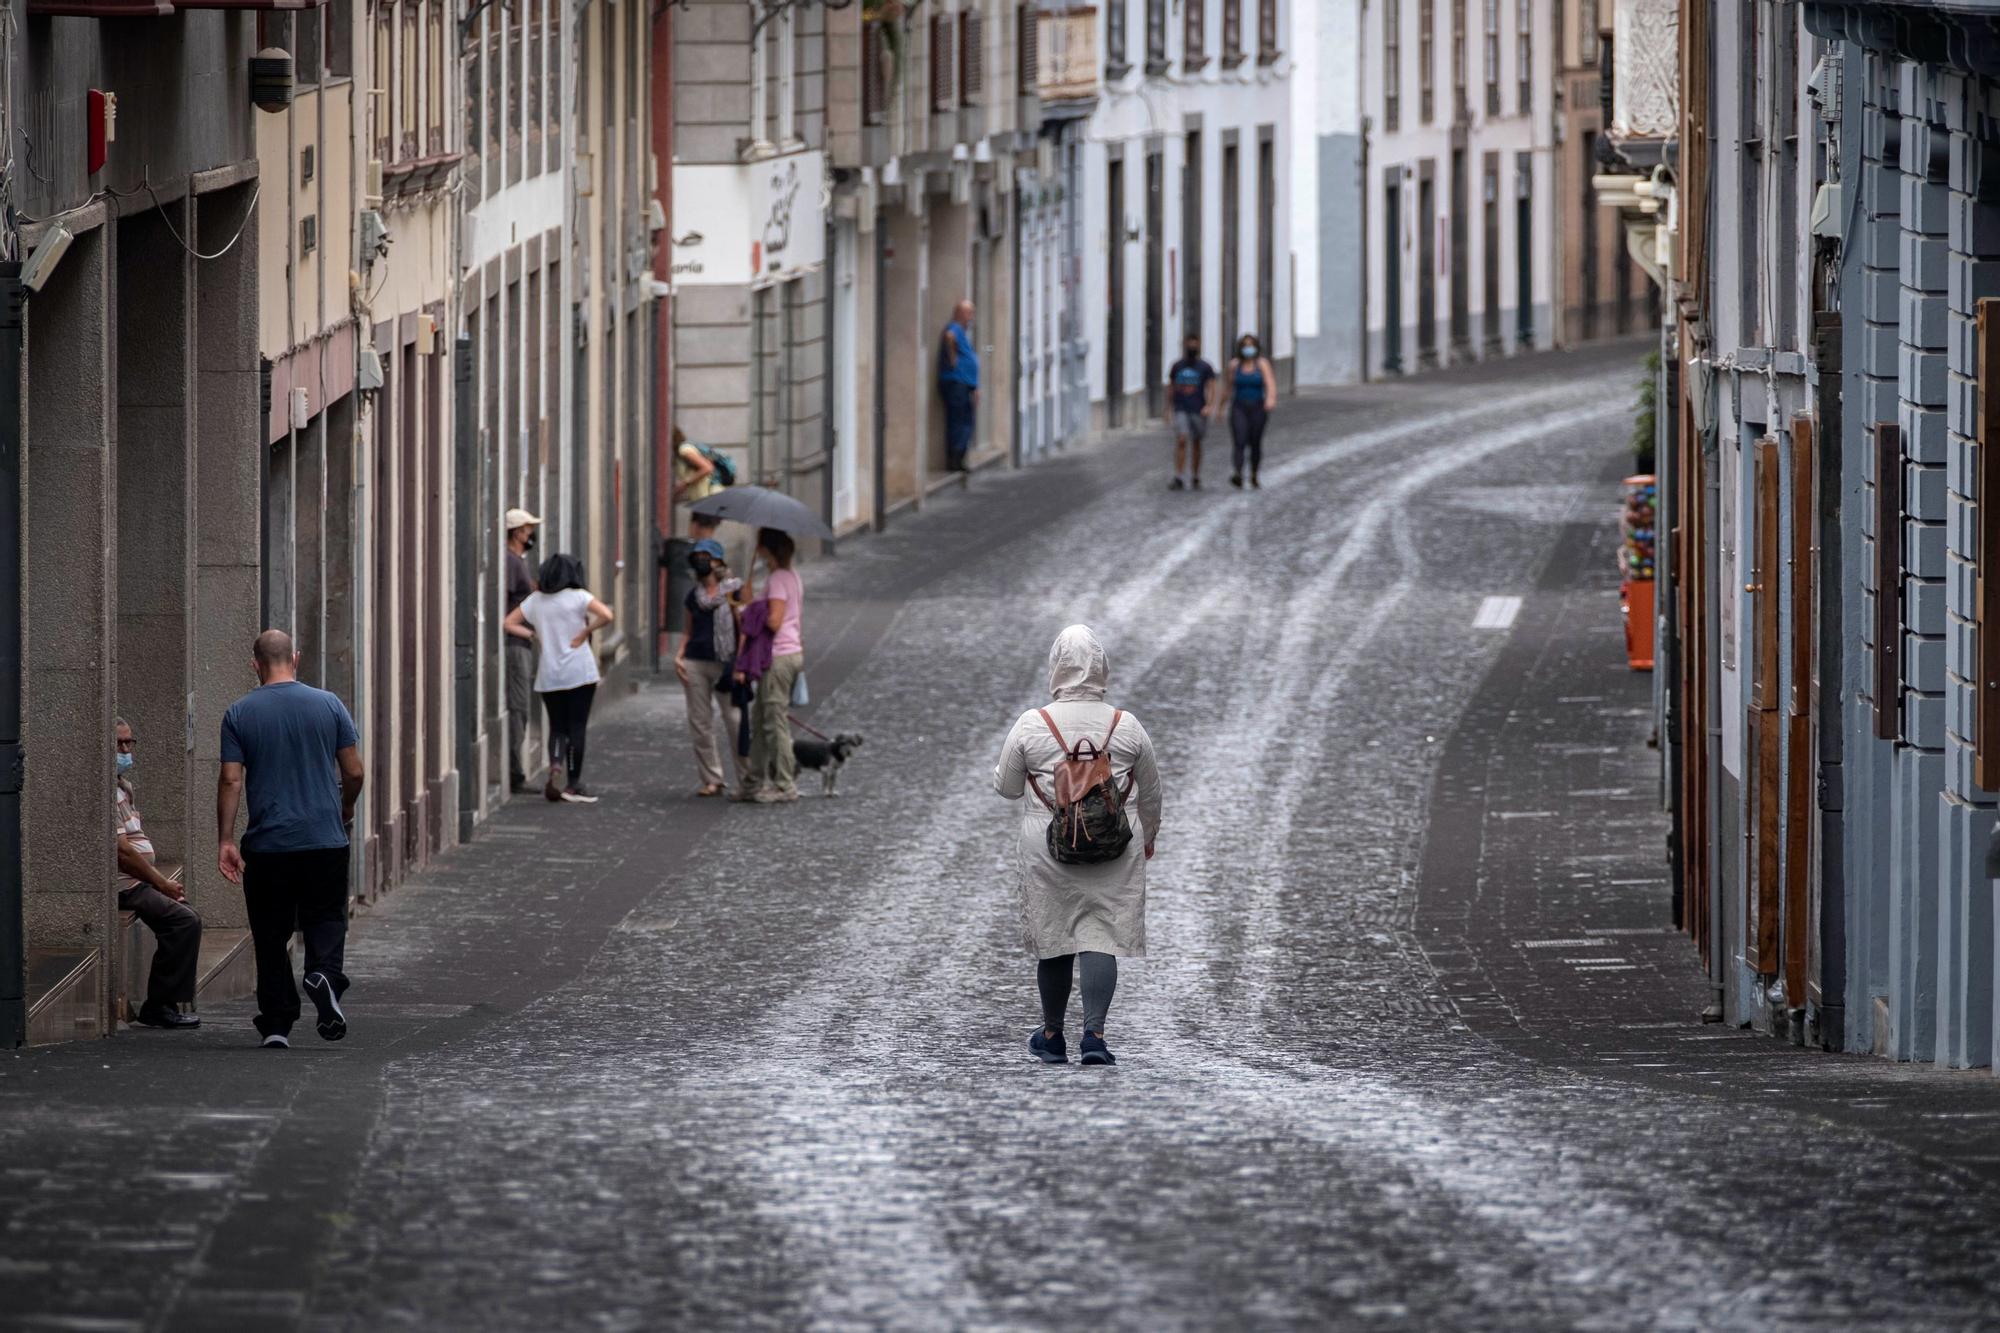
226,970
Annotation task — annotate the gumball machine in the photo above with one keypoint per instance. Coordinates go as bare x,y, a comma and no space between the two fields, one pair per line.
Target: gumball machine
1635,568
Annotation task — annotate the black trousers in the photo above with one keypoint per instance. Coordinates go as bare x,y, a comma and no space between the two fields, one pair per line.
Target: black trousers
1246,430
178,932
287,891
569,725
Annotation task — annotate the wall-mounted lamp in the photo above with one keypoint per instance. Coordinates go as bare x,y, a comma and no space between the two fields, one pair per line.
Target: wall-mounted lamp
47,254
271,79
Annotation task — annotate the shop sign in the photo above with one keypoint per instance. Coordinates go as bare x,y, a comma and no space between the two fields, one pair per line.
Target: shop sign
751,224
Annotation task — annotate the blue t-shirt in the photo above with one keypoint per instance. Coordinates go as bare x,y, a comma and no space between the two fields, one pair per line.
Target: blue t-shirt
966,371
286,736
1190,377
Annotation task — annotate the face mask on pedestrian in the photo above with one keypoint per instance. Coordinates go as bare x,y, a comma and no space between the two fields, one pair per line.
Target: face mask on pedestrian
1247,350
125,762
1193,349
702,565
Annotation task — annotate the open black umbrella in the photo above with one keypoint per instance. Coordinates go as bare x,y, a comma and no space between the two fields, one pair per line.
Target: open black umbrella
762,507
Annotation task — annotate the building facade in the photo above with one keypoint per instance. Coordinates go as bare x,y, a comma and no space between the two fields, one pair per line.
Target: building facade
1601,290
1187,194
1329,205
1461,196
558,331
1836,756
136,582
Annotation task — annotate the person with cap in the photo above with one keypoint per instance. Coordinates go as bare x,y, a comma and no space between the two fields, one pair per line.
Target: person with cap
703,665
521,527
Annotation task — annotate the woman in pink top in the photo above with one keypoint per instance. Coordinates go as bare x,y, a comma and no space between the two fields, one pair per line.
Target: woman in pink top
773,775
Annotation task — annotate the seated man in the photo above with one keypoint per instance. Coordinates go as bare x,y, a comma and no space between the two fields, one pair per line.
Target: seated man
159,902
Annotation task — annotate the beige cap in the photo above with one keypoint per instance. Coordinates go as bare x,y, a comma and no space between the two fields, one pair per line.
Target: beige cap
520,518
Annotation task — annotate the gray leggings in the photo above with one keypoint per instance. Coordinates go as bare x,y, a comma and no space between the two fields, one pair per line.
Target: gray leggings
1100,979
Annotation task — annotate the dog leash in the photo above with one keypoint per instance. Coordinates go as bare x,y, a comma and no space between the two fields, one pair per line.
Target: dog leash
793,718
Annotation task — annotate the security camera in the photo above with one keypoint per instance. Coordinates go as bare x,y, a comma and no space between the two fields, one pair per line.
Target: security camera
47,254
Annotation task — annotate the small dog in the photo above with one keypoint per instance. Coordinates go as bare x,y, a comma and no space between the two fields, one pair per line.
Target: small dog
826,756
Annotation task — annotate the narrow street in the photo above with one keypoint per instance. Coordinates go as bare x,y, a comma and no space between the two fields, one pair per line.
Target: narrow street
1416,1045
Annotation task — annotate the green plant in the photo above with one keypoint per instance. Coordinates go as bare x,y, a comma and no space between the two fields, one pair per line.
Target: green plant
1646,421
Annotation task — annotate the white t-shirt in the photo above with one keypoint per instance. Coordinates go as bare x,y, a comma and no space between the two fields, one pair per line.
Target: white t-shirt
558,617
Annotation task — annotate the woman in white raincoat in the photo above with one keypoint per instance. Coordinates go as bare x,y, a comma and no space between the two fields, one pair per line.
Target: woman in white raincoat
1092,914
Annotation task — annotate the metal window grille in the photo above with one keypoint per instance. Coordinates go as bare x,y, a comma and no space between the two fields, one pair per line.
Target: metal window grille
874,73
1458,73
1524,57
1426,59
1392,64
971,56
1492,57
941,63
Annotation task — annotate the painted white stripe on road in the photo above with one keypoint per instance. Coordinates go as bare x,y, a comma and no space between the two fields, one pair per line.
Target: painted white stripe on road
1497,613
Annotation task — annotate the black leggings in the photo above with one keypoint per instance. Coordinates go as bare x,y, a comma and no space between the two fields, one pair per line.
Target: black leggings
569,723
1100,979
1246,429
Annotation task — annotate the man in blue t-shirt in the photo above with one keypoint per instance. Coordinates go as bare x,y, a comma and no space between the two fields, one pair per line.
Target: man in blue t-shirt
292,749
958,385
1190,403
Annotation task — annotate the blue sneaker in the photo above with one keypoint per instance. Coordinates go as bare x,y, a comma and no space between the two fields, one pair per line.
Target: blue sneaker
1047,1049
1094,1051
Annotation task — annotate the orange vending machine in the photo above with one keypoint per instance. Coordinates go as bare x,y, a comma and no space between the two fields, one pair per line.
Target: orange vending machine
1635,567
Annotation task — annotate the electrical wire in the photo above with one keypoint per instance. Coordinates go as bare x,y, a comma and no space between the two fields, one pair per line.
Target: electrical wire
249,211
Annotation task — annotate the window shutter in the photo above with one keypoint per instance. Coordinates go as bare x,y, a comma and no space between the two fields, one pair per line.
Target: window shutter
1029,48
941,63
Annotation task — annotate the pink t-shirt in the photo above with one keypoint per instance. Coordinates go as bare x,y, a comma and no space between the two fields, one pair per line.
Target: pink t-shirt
784,584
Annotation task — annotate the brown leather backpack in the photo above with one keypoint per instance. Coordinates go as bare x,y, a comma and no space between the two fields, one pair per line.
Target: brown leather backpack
1090,824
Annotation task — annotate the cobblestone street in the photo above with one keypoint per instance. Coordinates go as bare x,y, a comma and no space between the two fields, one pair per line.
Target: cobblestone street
1416,1045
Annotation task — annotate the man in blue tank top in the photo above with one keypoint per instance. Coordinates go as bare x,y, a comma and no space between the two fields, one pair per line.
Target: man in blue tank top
958,385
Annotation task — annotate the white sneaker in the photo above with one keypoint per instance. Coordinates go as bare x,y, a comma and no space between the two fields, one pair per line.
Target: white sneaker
278,1041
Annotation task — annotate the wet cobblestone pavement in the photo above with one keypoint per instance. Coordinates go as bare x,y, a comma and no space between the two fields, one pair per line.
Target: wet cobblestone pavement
660,1063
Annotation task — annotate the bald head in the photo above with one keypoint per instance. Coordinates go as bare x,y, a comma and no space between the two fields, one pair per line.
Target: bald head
274,656
962,312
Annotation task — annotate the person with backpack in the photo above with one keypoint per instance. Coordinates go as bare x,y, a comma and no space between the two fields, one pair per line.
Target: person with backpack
1083,841
700,470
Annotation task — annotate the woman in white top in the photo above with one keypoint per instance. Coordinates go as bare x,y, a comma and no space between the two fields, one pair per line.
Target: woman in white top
563,615
1080,916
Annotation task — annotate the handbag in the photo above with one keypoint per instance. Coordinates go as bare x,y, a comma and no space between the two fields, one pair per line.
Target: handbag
801,696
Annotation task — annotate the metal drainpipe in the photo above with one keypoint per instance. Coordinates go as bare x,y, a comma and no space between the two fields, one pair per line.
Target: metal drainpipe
881,372
1014,235
264,490
830,274
13,942
465,617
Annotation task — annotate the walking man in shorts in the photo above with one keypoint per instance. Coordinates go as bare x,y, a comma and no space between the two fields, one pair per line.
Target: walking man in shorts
1190,399
292,750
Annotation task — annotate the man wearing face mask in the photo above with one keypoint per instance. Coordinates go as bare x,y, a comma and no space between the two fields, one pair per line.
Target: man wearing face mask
157,900
1191,383
521,527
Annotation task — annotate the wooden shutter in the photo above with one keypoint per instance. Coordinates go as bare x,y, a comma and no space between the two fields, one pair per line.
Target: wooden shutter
971,57
1888,580
1799,779
874,75
1766,726
1028,50
941,63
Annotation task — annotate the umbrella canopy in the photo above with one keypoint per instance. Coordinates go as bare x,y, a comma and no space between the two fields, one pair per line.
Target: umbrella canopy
762,507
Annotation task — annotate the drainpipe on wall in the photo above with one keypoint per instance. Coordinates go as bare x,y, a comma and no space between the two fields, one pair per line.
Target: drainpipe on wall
881,373
13,941
264,492
465,616
663,323
830,274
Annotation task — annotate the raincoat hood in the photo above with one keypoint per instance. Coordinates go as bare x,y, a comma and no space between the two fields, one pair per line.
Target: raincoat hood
1078,668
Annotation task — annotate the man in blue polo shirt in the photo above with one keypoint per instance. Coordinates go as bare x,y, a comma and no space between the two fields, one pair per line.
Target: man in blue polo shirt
958,385
292,749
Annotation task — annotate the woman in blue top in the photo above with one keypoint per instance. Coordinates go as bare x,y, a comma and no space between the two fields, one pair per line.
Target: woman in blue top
1253,392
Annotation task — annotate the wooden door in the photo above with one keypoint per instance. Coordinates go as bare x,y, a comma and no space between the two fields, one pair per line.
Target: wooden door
1760,936
1799,738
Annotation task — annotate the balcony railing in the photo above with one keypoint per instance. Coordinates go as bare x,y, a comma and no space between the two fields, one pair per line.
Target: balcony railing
1067,56
1645,69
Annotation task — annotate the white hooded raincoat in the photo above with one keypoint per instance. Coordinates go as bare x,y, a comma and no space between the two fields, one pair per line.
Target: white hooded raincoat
1067,908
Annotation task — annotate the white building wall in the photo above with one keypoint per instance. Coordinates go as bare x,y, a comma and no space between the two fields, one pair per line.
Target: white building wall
1511,133
1140,110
